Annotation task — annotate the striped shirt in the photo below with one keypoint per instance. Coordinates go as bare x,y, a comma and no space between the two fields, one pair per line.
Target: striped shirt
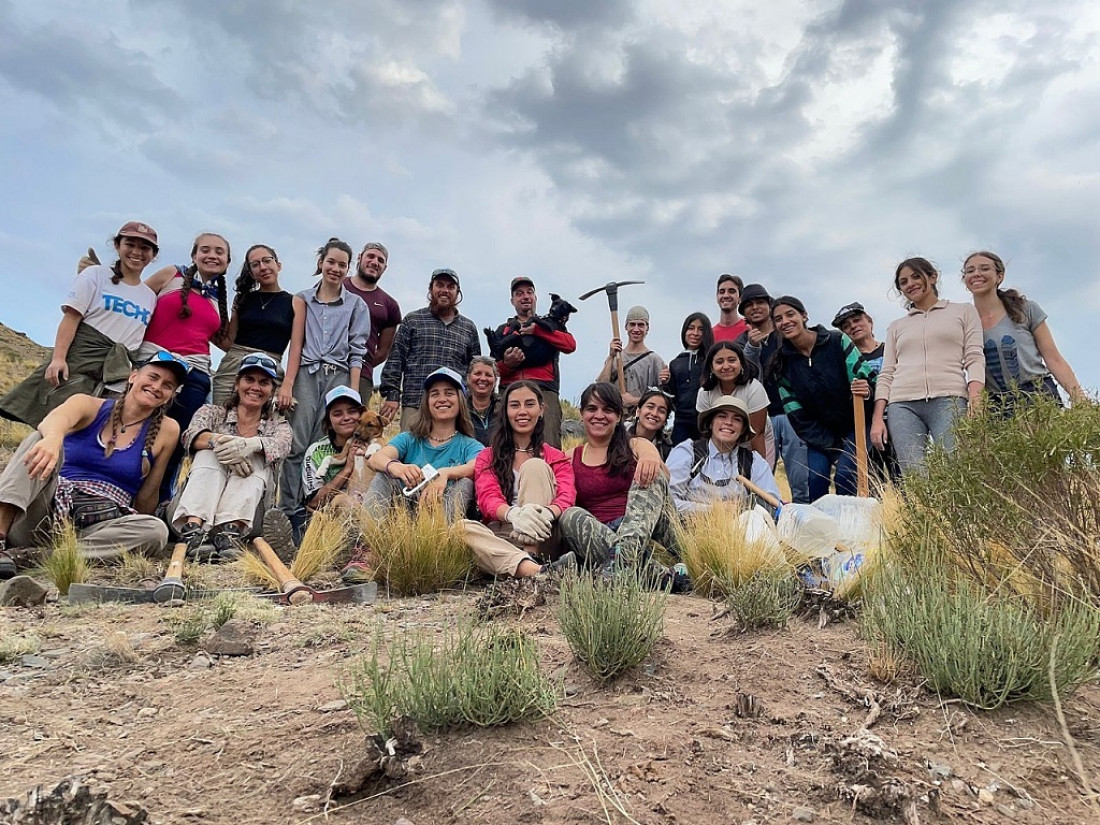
423,344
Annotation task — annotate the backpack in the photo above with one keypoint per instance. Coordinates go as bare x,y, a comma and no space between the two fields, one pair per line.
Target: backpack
699,450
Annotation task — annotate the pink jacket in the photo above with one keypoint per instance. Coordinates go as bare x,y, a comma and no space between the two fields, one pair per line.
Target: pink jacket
490,497
932,354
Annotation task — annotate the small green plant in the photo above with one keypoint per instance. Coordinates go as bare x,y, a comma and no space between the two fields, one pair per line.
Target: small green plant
465,675
65,564
223,608
190,624
416,550
13,647
611,626
768,598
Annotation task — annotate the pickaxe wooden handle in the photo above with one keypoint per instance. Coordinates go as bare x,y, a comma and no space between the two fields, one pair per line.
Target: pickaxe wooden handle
863,487
293,589
171,587
759,492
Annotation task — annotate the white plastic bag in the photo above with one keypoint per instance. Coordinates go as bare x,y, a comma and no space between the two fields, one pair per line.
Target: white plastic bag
810,533
760,532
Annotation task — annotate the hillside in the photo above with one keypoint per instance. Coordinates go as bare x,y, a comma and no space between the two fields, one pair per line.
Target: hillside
19,356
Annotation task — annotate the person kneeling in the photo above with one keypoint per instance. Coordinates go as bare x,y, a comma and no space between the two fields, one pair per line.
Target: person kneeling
235,448
99,463
523,486
706,470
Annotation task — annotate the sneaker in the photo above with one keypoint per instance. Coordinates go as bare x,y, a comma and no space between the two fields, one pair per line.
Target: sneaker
7,563
195,538
228,543
279,533
676,579
358,570
559,566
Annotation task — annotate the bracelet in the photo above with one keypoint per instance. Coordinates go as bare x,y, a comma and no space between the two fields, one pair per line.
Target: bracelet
388,463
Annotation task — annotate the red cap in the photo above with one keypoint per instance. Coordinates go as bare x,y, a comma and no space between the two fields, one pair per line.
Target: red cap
137,229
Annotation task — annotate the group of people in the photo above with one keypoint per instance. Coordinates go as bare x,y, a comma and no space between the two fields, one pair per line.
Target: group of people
130,390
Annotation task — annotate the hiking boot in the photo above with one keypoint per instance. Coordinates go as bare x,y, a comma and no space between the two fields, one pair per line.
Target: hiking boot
279,533
676,579
7,563
611,566
560,566
358,570
198,549
229,542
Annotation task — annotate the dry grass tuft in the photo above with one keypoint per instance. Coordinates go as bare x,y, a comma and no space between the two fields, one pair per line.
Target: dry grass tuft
718,554
15,646
416,550
255,571
134,568
325,541
114,651
65,564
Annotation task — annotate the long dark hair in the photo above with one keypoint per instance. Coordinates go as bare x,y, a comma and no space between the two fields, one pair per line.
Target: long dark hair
218,281
748,369
923,267
421,425
708,331
1012,300
777,364
116,267
245,283
620,458
503,444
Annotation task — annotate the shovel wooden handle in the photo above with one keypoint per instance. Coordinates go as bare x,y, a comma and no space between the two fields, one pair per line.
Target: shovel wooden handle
759,492
863,487
293,589
175,564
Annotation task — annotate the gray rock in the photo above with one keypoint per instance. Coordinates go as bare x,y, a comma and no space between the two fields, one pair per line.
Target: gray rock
22,591
234,638
940,771
30,660
332,707
803,815
200,662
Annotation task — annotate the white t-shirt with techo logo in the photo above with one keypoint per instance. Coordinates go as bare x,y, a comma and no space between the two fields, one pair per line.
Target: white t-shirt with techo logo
120,311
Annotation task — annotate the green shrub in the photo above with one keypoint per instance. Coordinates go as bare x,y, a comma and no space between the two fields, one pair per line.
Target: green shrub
611,626
767,598
464,675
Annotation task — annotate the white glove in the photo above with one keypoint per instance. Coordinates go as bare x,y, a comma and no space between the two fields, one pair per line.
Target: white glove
241,469
531,520
234,448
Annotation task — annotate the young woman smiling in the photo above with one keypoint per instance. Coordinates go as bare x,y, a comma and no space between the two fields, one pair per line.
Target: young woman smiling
1020,354
933,368
650,419
684,375
523,486
726,371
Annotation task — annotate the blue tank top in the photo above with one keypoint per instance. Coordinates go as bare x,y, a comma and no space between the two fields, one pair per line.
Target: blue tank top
84,456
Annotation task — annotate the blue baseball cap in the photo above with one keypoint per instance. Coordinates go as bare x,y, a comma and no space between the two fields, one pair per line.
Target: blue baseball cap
261,362
343,392
444,374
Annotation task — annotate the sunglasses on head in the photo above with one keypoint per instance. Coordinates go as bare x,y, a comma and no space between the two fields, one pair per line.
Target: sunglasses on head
165,357
264,361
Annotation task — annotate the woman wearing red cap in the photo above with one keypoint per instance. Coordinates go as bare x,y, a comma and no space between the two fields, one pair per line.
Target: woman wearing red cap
104,318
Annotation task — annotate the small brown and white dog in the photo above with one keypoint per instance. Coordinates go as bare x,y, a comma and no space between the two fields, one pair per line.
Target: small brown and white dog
368,433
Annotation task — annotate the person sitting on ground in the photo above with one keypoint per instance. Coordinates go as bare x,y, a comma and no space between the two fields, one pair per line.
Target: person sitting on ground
440,435
234,448
622,492
323,481
103,323
523,486
99,463
650,420
706,470
641,367
683,376
482,398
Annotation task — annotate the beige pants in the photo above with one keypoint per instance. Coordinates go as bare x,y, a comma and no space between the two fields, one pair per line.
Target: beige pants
33,499
493,550
217,496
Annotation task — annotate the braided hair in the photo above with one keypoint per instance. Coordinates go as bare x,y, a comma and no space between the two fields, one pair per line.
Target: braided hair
245,283
218,281
115,422
116,267
1012,300
503,443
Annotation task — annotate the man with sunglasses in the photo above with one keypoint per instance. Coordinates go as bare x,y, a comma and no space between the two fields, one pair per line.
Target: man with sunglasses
429,338
385,313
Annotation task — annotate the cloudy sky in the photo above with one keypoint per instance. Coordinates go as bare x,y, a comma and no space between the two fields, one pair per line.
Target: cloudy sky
806,145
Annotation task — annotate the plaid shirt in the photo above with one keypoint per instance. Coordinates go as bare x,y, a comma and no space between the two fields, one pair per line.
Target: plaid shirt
274,431
422,345
63,495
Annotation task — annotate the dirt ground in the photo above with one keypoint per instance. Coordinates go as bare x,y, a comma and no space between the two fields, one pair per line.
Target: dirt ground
718,727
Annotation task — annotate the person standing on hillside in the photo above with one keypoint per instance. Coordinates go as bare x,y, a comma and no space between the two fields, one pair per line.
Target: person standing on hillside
641,366
537,361
429,338
729,326
385,313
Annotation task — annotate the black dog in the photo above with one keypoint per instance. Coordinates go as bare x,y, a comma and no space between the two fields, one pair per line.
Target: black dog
536,351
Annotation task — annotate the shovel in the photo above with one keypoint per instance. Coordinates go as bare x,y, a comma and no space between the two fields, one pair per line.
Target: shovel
293,591
863,487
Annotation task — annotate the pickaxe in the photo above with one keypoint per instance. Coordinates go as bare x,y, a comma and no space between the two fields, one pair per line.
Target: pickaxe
612,290
293,591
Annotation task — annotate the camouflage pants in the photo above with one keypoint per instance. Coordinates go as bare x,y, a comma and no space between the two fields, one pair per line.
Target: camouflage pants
648,517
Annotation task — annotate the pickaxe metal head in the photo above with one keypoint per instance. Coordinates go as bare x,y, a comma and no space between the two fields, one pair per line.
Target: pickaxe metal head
612,290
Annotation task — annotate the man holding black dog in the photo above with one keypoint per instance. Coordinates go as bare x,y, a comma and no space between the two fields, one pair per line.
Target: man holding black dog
534,356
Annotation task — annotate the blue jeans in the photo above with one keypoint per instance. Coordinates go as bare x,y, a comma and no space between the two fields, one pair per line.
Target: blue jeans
191,396
792,450
822,464
912,423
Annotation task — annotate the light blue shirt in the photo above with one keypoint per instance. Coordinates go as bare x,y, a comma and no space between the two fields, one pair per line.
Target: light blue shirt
693,494
419,451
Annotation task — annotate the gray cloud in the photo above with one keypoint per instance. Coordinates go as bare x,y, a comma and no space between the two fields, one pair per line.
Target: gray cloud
565,14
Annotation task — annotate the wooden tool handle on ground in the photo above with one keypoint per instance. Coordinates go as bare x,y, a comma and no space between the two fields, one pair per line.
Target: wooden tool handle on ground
175,564
863,487
171,586
759,492
295,591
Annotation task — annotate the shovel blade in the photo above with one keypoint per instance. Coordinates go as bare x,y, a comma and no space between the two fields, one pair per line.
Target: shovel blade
96,593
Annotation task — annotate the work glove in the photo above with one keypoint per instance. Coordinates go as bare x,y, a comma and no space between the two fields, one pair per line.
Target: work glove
530,521
241,469
235,448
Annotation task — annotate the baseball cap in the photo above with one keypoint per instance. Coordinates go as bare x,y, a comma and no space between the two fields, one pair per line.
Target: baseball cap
446,274
261,362
522,280
137,229
163,358
848,311
443,374
341,392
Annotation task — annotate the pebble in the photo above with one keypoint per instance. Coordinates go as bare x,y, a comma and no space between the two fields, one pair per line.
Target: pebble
985,796
403,821
803,815
331,707
307,804
30,660
146,712
940,771
234,638
1007,811
200,662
